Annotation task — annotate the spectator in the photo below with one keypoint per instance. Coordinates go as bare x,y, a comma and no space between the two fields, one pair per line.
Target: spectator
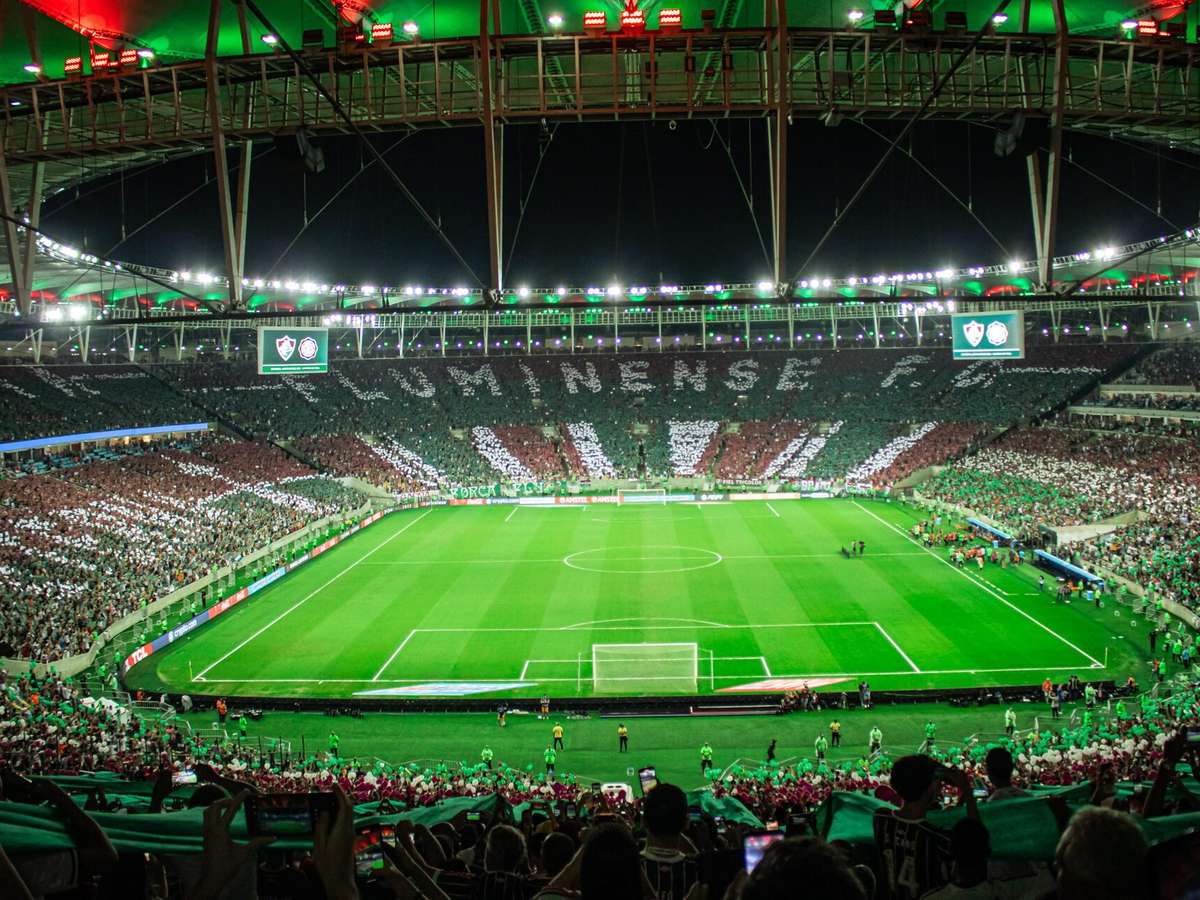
802,867
668,857
915,855
999,766
970,846
1102,855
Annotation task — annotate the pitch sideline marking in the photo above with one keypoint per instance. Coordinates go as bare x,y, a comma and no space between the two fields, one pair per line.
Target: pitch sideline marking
314,593
772,509
892,641
1096,664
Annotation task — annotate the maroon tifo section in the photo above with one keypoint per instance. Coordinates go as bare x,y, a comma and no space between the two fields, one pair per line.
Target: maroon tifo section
748,453
535,451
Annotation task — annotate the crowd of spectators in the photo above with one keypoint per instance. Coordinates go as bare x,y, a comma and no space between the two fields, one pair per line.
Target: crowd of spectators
1171,365
429,406
83,548
533,449
1072,476
48,726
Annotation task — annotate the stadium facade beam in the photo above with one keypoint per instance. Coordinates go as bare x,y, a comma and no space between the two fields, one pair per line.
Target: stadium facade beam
21,258
232,242
493,149
1054,160
779,67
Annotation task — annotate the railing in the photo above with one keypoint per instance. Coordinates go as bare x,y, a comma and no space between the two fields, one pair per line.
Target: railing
713,74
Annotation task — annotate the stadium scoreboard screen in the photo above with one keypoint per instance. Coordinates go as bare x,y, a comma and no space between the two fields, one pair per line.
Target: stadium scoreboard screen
293,351
997,335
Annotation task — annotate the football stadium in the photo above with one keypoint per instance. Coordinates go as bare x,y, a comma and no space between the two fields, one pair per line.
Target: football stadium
599,450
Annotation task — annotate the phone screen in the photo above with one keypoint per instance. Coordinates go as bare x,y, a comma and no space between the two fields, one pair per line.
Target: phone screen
648,779
368,853
572,810
187,776
1193,735
285,815
754,845
980,793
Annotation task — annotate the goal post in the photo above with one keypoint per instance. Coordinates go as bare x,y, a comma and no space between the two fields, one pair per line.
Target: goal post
620,668
644,495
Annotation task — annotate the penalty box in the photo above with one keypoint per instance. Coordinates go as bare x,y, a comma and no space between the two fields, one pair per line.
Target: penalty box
727,653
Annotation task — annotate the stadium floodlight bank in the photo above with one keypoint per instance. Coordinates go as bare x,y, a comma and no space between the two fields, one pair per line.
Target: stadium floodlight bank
644,495
673,668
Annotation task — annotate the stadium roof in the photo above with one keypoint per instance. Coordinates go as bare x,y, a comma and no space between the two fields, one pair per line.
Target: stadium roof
175,29
38,37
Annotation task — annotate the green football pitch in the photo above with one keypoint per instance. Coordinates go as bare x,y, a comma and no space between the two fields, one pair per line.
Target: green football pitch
510,601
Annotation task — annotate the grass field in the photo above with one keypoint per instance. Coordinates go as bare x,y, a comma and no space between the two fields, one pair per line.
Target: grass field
671,744
512,601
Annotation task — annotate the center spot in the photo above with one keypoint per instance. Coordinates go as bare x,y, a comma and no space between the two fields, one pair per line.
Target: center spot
645,559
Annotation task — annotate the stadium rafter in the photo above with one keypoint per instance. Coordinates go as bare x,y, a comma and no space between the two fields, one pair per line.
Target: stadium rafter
780,65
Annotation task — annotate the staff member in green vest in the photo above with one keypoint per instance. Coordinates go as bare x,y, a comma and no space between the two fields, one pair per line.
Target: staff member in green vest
706,753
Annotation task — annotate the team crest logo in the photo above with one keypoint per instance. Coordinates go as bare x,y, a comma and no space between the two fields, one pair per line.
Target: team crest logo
285,346
997,333
973,332
308,348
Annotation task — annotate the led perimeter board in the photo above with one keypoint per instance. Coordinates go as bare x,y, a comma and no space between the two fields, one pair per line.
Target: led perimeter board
292,351
998,335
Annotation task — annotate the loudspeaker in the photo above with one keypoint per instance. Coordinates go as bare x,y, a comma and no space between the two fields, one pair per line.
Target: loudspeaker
1023,136
300,149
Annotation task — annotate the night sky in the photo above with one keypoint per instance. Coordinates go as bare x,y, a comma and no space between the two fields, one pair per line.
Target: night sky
633,203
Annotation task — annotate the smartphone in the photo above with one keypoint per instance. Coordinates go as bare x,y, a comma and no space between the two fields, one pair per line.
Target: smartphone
368,853
755,844
387,834
772,825
596,787
980,792
572,810
1193,735
695,814
474,816
719,821
798,824
647,779
286,815
187,776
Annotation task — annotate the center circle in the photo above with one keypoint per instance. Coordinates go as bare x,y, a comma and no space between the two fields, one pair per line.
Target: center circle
643,559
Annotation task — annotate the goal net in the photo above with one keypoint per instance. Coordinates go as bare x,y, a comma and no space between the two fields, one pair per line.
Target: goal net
625,668
647,495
